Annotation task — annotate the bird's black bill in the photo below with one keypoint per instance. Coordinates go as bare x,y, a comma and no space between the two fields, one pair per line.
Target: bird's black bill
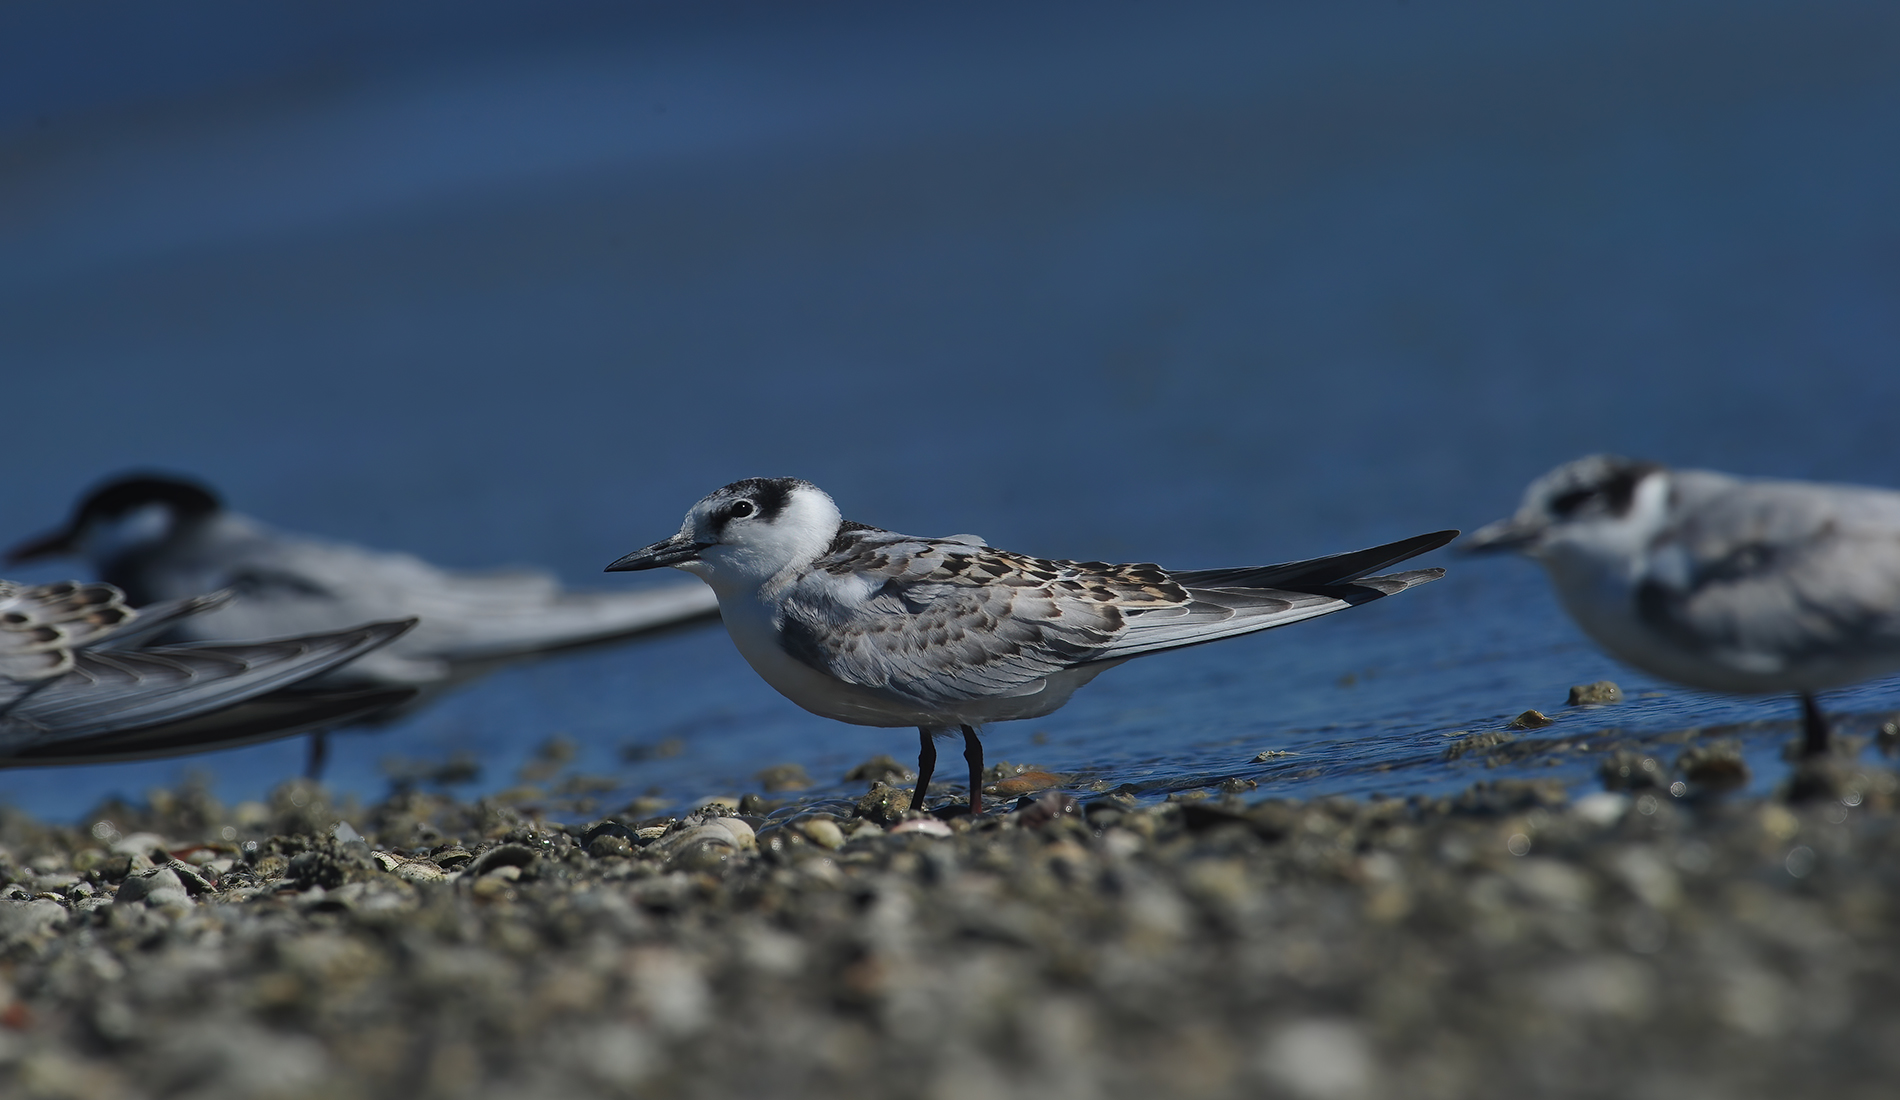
54,544
671,551
1505,534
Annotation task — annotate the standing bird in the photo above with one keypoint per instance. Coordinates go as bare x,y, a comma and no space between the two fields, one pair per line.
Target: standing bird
880,629
73,688
1721,583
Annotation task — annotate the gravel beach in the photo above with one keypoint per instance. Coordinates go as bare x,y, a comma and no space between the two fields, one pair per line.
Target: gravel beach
1502,942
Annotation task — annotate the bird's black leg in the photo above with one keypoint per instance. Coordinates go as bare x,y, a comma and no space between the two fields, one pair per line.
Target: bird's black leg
973,752
926,763
1814,725
319,754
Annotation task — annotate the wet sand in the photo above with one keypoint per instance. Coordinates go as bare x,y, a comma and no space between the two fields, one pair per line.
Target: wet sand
1508,941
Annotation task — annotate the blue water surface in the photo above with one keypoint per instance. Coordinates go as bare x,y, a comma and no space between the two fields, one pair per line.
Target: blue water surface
1227,286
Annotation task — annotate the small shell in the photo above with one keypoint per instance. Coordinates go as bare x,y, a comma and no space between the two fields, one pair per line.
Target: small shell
823,832
928,826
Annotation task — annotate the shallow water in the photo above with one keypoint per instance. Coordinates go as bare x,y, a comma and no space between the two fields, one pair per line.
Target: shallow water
1235,288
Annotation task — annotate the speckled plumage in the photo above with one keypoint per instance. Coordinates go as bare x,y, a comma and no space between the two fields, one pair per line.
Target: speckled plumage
877,628
40,626
946,623
70,690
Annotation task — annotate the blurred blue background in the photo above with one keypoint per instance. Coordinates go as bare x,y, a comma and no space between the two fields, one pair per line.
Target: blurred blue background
516,284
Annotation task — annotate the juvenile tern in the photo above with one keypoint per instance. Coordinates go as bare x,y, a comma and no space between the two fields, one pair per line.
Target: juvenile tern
159,537
875,628
71,689
1728,584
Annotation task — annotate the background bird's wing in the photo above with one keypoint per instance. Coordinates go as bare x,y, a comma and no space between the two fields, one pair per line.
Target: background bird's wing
938,622
291,585
1772,572
108,691
474,617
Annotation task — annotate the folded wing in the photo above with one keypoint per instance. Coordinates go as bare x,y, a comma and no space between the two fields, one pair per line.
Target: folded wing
288,585
935,622
108,692
1215,613
1768,574
286,712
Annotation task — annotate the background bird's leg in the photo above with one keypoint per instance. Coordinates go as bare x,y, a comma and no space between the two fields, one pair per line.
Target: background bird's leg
926,763
1814,725
319,754
973,752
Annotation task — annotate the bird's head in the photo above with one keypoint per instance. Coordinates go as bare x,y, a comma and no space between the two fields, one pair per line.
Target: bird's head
1598,501
127,515
746,533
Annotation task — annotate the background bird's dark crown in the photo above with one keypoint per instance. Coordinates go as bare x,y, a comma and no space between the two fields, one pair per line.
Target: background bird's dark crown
1608,481
124,494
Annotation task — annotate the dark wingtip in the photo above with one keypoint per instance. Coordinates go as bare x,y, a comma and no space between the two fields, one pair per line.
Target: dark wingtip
1436,539
391,629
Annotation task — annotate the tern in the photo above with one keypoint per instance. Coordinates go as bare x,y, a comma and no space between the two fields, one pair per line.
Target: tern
1722,583
875,628
160,537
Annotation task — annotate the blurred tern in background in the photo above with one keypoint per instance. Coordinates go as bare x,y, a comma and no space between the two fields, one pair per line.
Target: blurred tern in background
72,691
880,629
1717,582
165,538
160,537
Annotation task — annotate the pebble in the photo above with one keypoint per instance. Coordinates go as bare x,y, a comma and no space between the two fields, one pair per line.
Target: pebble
1025,783
880,769
783,777
602,847
927,826
1600,693
1714,767
823,832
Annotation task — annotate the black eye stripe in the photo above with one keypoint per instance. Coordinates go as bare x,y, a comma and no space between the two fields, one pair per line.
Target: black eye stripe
1611,492
1571,501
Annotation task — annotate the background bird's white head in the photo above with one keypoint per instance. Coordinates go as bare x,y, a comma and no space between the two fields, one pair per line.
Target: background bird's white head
746,533
1593,513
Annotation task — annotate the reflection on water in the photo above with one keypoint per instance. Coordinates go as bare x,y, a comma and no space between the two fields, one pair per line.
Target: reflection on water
1229,290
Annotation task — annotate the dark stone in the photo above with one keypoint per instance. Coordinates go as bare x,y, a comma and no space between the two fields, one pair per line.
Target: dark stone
506,855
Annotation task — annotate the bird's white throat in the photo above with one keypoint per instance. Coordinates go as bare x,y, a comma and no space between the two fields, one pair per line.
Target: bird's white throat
1608,550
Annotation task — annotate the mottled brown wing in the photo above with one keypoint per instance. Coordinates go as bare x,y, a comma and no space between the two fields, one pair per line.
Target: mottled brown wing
937,622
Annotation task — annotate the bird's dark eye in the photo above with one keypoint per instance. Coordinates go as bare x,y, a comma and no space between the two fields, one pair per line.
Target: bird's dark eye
741,509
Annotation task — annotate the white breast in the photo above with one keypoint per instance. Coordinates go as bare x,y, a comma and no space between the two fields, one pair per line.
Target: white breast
750,623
